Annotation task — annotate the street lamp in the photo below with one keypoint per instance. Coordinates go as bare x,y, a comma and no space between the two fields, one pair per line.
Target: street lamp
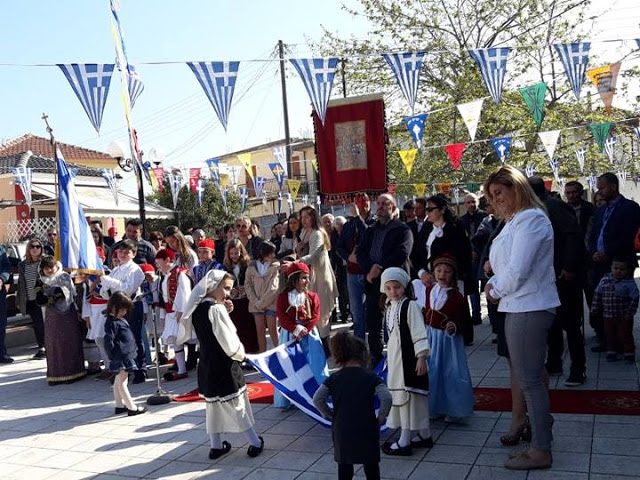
116,150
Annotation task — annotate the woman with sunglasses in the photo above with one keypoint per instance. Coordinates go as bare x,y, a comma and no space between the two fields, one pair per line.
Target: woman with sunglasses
28,276
248,236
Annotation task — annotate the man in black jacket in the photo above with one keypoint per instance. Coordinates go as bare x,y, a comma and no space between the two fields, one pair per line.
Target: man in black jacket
420,229
584,210
471,221
387,243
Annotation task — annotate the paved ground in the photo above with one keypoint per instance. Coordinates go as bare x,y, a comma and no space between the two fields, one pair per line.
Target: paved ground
68,432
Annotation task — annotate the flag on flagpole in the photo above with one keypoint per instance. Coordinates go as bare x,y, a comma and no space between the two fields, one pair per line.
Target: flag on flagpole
408,157
23,177
214,169
574,58
493,67
278,173
90,82
244,195
280,154
200,191
502,146
78,250
317,74
258,185
533,96
218,80
415,125
110,178
549,141
470,113
406,68
581,154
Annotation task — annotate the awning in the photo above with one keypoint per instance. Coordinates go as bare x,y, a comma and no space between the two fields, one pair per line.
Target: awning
99,202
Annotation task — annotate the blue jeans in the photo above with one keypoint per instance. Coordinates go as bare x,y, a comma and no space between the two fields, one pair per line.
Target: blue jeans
140,334
355,285
3,320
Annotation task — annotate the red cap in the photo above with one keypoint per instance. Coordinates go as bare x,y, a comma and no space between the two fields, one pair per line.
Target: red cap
147,268
207,243
166,254
296,267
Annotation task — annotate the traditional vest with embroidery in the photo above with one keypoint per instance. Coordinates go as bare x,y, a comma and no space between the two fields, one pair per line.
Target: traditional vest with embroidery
172,288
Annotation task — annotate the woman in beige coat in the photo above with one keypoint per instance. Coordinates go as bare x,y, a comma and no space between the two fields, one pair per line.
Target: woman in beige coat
262,285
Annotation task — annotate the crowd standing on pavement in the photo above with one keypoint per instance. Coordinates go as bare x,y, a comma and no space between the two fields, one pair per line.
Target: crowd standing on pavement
407,282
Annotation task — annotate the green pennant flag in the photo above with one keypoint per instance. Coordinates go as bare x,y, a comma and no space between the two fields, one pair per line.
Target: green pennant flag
473,187
534,98
600,132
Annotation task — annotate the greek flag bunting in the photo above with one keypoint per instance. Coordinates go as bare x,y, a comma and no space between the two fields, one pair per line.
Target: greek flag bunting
305,199
110,178
200,190
176,181
318,202
493,67
136,87
23,177
530,170
258,185
406,67
290,203
638,42
218,80
264,199
317,74
214,169
609,148
637,130
244,195
78,250
278,173
280,154
592,181
574,58
225,196
90,82
415,125
502,146
279,203
581,155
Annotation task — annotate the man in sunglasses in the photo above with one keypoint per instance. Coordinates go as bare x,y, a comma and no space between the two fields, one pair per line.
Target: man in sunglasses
49,247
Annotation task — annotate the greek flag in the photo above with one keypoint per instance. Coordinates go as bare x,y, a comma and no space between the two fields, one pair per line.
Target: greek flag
638,42
502,146
530,170
78,250
214,169
200,190
609,148
218,80
244,195
406,67
493,66
415,125
109,177
225,195
581,154
136,87
23,178
90,82
592,181
175,181
305,199
280,154
279,203
317,75
574,58
637,130
258,185
278,173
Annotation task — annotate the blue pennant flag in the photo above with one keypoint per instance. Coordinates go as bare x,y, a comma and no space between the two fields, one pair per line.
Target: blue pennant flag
78,250
493,67
279,203
258,185
406,67
200,190
244,195
317,74
415,125
574,58
90,82
502,146
136,87
214,169
278,173
110,178
23,177
218,80
638,42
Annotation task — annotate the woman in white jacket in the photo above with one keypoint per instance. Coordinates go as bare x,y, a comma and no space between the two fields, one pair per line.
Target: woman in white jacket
523,283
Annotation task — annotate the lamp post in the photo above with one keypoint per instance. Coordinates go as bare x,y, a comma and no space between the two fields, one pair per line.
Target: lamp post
116,150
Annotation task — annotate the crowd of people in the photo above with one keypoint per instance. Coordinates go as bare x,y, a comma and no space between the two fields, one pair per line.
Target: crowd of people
409,279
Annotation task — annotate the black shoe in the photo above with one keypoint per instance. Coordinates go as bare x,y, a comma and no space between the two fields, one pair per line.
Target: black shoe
400,451
422,443
139,410
255,451
120,410
6,359
575,379
162,359
139,376
41,354
218,452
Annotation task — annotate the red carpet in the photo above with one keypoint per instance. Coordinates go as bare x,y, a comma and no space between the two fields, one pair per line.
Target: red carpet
258,393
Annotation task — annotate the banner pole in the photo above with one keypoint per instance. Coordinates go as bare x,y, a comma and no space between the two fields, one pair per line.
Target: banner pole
285,109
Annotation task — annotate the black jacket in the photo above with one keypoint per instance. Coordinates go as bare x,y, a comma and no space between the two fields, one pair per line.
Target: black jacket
569,251
419,238
119,342
620,231
396,247
472,222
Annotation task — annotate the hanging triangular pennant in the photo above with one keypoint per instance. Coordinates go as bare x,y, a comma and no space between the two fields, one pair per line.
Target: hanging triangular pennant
214,169
175,181
280,154
278,173
408,157
470,113
493,67
218,80
23,177
574,58
600,132
445,188
555,168
549,141
581,155
622,177
258,185
317,74
290,200
244,195
194,176
609,148
533,96
406,68
135,86
294,187
502,146
605,78
592,181
456,194
415,125
200,191
279,202
90,83
110,178
455,151
420,189
245,160
234,175
530,170
314,163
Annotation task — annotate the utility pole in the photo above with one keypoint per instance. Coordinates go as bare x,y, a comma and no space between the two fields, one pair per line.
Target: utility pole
344,80
285,109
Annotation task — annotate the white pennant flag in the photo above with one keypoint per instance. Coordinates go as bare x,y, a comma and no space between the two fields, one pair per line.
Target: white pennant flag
234,175
264,199
305,199
622,176
470,113
530,170
581,155
609,148
550,140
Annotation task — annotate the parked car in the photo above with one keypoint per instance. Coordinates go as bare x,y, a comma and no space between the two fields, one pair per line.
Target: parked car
16,252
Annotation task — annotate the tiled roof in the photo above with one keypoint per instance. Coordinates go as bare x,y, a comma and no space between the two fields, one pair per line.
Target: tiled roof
41,164
42,147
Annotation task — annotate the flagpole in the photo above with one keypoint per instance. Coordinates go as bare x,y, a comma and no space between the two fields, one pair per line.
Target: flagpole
285,109
54,146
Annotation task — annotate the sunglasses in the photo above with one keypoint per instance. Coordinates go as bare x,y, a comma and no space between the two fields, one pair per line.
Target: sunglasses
431,209
52,234
35,246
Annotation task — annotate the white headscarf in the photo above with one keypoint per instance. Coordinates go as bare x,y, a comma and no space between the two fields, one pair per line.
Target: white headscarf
396,274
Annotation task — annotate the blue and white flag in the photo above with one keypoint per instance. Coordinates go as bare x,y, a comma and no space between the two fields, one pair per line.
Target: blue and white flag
592,181
23,177
136,86
415,125
305,199
317,74
555,168
244,195
214,169
574,58
502,146
224,192
110,178
218,80
78,250
493,67
609,148
176,180
200,190
258,185
530,170
90,82
406,67
278,173
290,203
637,130
280,154
638,42
581,155
279,203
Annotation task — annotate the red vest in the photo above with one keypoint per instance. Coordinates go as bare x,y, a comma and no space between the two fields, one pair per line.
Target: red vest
172,288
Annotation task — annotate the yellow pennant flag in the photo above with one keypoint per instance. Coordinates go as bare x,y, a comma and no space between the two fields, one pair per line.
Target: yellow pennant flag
408,157
604,79
294,188
245,160
420,188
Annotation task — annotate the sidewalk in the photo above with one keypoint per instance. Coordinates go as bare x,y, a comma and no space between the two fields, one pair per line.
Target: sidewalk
69,432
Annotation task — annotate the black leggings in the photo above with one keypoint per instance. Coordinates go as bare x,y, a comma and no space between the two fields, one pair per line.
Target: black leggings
35,312
371,471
